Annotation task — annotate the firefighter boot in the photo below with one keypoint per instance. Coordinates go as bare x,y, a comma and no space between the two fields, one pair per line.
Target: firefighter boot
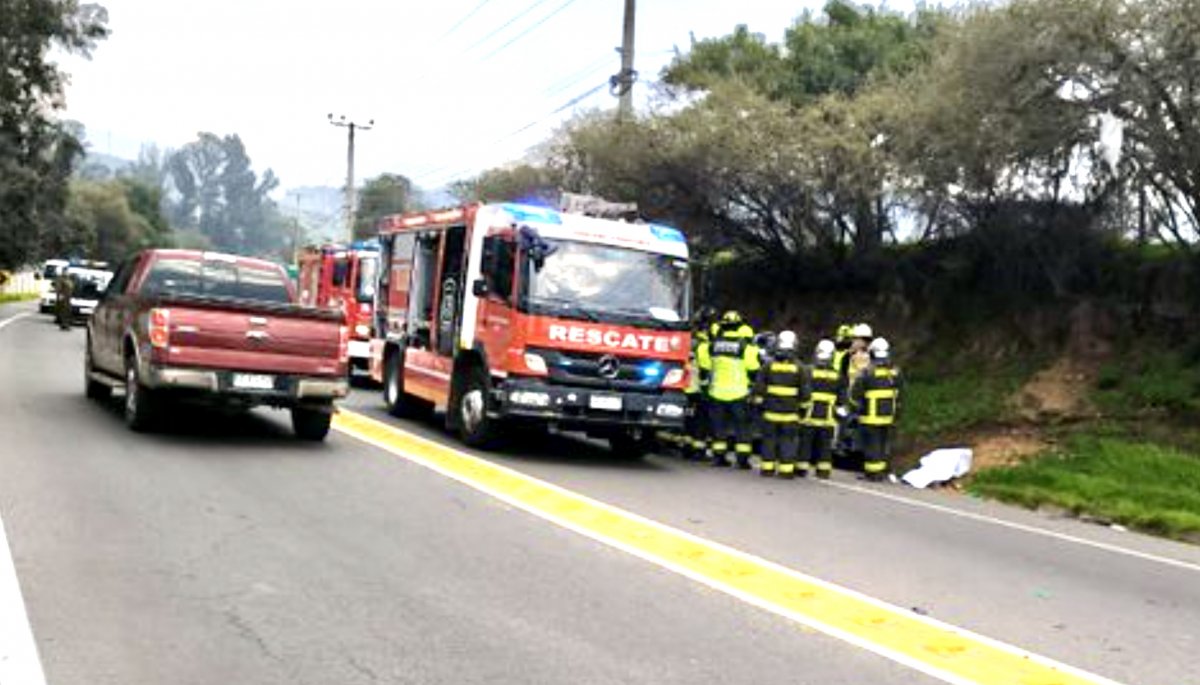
766,469
787,470
802,469
824,470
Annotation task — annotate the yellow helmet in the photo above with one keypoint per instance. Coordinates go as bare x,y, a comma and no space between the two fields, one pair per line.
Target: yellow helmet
731,317
845,332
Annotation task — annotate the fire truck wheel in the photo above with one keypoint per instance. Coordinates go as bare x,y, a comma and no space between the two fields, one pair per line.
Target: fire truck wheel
630,444
393,386
475,427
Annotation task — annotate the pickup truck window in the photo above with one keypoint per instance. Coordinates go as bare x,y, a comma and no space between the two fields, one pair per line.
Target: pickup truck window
216,279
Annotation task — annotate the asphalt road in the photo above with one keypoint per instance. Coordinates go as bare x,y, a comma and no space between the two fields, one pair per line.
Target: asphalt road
223,550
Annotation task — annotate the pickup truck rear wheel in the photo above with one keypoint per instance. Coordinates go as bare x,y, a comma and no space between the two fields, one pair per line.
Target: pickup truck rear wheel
311,423
93,390
140,414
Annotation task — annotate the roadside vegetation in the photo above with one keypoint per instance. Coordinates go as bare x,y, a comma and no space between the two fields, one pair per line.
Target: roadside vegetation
17,297
1137,484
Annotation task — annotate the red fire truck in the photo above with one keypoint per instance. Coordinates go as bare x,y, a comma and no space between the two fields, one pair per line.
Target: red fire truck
344,277
503,314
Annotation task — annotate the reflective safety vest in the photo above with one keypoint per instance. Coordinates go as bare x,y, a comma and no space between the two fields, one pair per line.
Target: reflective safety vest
693,371
781,398
822,396
729,358
877,392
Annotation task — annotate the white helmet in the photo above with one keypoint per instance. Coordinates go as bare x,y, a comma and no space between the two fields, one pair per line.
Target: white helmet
880,349
786,341
825,350
862,330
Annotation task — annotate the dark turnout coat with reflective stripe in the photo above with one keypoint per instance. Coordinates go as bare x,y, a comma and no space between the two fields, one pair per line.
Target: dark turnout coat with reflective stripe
781,386
824,390
875,395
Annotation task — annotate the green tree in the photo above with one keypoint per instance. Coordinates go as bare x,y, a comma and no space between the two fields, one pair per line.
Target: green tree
219,195
380,196
37,154
110,219
839,51
529,182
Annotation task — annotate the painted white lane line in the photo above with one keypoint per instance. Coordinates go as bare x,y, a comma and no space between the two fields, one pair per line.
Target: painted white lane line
13,318
1065,537
19,662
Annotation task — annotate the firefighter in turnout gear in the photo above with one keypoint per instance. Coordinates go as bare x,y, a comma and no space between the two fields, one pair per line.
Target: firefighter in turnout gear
730,359
875,398
780,386
694,442
825,392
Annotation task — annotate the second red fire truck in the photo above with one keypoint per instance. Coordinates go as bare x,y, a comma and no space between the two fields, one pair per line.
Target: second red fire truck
511,314
344,277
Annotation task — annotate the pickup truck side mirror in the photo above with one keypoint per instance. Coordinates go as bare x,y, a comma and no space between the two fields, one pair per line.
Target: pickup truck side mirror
479,288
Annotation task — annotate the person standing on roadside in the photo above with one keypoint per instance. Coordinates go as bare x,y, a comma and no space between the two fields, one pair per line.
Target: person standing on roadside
824,392
780,385
730,359
64,290
875,399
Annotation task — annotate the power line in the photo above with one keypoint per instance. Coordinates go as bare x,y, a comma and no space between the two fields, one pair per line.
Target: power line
531,29
437,172
462,21
559,86
506,24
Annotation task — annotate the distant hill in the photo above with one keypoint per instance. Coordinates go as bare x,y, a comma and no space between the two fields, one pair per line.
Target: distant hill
101,165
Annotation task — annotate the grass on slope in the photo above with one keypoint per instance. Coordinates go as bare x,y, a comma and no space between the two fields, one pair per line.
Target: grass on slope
1140,485
1155,379
936,402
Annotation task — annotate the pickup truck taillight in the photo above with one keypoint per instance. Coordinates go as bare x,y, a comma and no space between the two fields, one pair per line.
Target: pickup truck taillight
160,328
344,343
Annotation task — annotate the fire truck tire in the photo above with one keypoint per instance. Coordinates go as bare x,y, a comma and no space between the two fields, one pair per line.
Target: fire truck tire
630,445
475,427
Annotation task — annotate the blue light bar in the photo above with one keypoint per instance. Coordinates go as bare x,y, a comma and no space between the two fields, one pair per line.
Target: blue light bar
652,370
667,233
530,214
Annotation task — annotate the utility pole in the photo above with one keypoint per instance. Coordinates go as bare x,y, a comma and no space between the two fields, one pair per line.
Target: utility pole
350,198
622,83
296,234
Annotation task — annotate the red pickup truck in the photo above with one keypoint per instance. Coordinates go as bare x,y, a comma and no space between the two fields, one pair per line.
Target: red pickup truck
216,329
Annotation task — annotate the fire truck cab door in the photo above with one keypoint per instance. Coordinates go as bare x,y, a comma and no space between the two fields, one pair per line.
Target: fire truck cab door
450,289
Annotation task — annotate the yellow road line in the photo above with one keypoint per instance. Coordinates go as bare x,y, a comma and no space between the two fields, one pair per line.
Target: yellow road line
938,649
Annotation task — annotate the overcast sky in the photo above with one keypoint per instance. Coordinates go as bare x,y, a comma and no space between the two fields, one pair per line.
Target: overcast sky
447,100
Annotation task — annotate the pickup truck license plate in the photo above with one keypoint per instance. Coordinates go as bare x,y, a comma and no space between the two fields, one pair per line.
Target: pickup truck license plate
606,402
253,381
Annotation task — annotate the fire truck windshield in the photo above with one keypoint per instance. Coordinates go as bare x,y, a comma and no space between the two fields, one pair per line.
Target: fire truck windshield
368,269
605,282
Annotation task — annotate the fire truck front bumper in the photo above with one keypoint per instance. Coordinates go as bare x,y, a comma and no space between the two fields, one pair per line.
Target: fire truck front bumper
576,406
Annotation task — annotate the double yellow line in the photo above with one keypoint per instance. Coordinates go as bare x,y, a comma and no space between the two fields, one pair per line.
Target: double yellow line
927,645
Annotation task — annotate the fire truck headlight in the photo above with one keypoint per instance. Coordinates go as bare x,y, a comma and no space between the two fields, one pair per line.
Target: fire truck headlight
362,330
672,411
530,398
673,376
535,362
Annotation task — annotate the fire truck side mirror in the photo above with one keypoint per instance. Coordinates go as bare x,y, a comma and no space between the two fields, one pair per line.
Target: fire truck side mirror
479,288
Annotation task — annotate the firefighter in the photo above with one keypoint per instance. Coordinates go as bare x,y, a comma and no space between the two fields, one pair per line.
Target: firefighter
842,345
730,359
875,400
64,290
694,442
850,367
780,386
824,394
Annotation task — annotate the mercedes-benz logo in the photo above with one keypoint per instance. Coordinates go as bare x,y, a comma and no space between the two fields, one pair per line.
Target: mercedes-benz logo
609,366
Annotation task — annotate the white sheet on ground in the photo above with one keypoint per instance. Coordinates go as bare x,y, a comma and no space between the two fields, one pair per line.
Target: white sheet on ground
940,466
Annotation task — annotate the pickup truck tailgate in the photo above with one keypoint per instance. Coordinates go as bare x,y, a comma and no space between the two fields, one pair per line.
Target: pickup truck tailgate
293,341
